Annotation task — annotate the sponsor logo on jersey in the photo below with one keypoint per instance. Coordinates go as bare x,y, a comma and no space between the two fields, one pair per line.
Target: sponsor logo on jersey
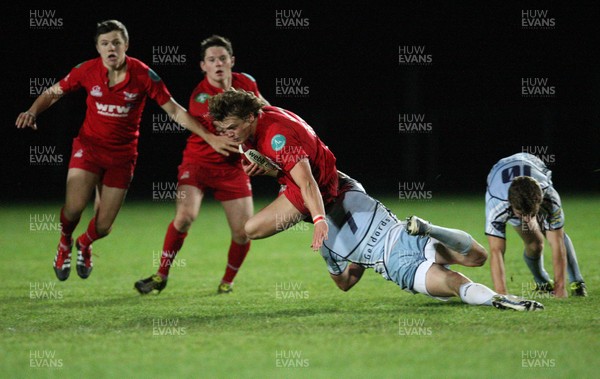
78,154
130,96
96,91
185,175
202,97
113,110
278,142
376,236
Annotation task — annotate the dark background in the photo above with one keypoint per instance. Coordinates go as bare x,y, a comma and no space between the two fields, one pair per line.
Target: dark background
348,57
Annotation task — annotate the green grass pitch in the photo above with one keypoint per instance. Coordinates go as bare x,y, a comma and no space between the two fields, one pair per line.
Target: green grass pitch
286,318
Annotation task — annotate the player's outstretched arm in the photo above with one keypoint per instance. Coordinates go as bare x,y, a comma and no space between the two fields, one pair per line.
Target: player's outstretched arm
497,249
556,238
302,175
349,277
43,102
221,144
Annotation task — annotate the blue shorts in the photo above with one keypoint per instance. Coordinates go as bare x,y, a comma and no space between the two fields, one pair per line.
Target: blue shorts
406,255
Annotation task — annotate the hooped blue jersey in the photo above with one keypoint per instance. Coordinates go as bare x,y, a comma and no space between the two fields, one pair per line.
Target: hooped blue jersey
497,208
359,229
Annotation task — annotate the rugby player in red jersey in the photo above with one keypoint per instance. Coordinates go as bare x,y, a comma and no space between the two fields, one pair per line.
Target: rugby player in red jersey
306,167
203,169
105,151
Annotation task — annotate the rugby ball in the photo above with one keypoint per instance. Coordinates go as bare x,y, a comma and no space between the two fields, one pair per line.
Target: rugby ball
253,156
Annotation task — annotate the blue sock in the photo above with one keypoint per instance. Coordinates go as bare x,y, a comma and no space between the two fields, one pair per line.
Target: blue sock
536,266
455,239
572,265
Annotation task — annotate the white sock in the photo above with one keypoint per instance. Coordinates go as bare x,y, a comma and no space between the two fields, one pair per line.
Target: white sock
476,294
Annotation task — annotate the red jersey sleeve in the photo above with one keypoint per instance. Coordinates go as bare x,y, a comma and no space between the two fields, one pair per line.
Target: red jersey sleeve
157,90
249,83
72,82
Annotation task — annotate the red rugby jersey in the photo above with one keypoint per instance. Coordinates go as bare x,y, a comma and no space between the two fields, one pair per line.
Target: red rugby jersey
197,150
285,138
113,115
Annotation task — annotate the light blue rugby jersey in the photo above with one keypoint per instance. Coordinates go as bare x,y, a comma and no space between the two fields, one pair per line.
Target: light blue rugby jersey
358,229
497,208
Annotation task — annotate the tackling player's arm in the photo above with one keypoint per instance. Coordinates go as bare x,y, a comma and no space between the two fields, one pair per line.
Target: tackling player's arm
43,102
179,114
497,249
302,175
349,277
556,238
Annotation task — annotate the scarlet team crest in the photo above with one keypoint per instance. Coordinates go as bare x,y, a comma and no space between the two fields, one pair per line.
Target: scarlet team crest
96,91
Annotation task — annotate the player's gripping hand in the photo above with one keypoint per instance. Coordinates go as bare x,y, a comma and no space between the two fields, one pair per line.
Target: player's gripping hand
252,169
319,234
26,119
254,163
222,144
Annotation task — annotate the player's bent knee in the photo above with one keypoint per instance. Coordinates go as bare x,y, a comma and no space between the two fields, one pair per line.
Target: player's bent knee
183,220
73,212
239,236
103,230
479,255
254,229
252,232
238,231
478,260
475,257
535,247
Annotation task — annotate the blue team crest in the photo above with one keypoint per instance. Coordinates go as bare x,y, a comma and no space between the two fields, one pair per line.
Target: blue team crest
202,97
153,75
278,142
